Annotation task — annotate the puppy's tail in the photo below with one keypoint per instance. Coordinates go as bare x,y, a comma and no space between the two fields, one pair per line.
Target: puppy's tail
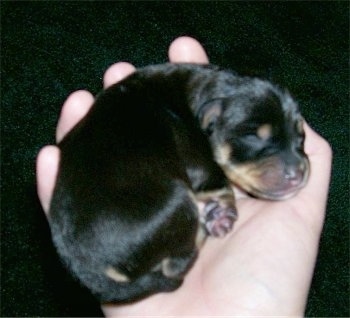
121,290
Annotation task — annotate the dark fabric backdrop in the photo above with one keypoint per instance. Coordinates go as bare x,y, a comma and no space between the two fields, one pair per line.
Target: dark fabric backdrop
50,49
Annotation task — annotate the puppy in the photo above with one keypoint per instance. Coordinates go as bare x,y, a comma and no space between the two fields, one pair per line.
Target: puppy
147,173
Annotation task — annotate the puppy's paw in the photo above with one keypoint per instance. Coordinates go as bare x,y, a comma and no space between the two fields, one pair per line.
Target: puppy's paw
217,211
219,217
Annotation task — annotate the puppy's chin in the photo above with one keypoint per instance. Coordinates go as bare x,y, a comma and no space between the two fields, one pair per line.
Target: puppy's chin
269,194
269,179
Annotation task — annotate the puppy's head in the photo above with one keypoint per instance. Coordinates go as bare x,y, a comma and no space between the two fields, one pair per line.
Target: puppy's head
257,137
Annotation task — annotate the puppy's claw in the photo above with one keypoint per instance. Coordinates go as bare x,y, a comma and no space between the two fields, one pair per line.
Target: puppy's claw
219,219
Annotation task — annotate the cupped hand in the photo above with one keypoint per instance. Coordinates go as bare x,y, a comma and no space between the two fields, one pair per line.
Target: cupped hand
263,267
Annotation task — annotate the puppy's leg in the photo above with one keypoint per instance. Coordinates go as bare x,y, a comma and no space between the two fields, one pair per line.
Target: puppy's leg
210,188
217,210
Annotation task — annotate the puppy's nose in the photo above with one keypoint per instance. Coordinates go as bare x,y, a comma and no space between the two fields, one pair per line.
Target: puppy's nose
294,175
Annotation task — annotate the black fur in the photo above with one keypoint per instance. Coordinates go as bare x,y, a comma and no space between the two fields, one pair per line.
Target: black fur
134,172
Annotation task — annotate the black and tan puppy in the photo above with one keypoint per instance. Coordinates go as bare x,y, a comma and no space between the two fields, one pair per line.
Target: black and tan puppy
154,159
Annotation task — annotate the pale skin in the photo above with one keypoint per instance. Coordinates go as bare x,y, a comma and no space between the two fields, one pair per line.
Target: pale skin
263,267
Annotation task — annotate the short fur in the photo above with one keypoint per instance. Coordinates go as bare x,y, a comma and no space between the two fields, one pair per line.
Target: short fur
153,159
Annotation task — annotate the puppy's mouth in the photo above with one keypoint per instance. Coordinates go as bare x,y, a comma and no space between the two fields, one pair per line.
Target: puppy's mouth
270,178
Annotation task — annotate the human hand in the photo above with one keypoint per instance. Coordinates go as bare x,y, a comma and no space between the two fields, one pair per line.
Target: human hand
263,267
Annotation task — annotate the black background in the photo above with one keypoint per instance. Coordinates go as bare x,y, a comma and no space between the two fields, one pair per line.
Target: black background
50,49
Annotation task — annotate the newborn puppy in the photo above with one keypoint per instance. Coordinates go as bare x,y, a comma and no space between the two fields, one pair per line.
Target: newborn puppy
147,173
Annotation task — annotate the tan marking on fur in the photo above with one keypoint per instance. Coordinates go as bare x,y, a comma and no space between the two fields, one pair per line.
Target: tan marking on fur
264,131
223,154
205,195
201,233
116,276
192,196
157,268
246,176
300,126
200,237
166,268
212,112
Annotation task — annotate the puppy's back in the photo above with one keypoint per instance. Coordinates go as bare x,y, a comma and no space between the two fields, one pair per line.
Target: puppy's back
121,216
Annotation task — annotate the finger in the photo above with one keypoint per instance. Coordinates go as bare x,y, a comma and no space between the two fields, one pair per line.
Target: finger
314,143
46,172
117,72
187,50
74,109
320,156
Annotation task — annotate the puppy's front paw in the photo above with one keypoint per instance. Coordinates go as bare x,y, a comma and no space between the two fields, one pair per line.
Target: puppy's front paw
219,217
217,211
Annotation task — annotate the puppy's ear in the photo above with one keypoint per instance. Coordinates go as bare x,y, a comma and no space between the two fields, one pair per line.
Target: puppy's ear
209,114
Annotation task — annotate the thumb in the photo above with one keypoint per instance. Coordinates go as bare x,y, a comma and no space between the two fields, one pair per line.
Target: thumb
46,172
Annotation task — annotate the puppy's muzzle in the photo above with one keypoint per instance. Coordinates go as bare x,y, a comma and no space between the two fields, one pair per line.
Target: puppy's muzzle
271,178
280,181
